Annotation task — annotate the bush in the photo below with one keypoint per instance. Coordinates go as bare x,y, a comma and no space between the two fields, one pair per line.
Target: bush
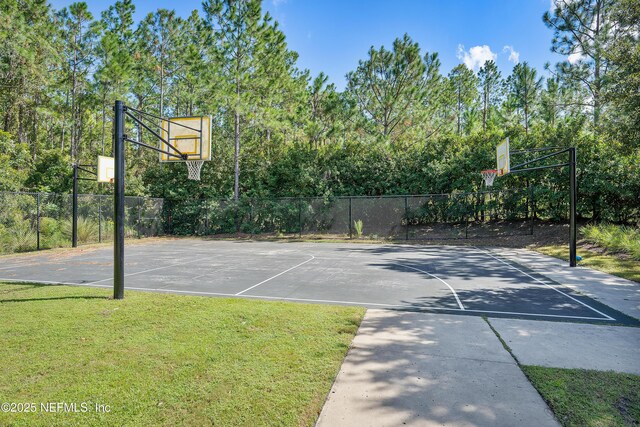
358,226
87,230
51,234
614,238
19,238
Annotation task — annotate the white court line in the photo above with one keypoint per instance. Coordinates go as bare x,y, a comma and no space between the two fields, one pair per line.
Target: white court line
150,270
436,277
559,316
413,307
15,266
273,277
547,285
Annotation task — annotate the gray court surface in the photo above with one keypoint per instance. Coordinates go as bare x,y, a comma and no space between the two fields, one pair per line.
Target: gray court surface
453,279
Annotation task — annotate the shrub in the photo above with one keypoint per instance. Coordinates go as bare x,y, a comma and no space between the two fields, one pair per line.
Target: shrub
614,238
358,226
87,230
19,238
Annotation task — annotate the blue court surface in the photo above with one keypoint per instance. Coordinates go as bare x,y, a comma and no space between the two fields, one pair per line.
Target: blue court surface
452,279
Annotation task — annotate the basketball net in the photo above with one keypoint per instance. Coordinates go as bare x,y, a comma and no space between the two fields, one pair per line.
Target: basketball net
489,175
194,167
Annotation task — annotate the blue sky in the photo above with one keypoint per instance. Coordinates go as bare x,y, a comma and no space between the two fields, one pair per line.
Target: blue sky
333,35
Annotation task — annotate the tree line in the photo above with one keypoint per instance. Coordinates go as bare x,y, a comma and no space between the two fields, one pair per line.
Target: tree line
401,125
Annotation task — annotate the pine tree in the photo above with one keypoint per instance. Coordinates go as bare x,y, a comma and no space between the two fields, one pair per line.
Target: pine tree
79,36
114,55
240,33
323,103
623,82
464,86
490,84
28,63
160,35
388,85
525,87
434,114
582,32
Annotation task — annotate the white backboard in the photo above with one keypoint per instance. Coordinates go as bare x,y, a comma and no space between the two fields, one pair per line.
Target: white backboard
190,135
502,158
106,169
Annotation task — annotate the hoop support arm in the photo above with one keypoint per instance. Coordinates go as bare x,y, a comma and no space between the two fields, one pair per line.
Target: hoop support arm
86,170
533,150
540,158
161,118
559,165
181,156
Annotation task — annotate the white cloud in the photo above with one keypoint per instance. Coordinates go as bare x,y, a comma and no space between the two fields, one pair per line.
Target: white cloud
575,58
475,57
277,3
513,55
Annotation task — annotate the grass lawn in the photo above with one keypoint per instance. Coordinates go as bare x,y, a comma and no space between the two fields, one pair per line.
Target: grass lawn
586,398
159,359
626,268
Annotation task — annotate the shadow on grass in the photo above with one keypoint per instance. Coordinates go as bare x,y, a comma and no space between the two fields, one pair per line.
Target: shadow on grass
2,301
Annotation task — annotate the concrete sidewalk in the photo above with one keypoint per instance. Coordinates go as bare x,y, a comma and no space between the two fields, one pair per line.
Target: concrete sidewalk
430,369
570,345
433,369
616,292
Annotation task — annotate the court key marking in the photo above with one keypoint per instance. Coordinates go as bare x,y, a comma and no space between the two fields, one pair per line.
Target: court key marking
546,284
273,277
436,277
150,270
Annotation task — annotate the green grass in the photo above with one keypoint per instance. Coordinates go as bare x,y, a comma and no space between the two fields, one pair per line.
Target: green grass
614,238
625,268
159,359
585,398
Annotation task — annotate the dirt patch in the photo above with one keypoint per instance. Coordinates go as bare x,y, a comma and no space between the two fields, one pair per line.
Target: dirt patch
514,235
623,405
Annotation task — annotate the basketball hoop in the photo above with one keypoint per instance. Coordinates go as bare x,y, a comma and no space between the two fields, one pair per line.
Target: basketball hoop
489,175
194,167
188,140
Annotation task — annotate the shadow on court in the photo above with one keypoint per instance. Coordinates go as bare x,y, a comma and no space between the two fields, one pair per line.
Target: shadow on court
441,279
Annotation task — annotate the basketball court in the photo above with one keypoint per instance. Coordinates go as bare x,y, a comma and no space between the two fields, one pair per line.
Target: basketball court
451,279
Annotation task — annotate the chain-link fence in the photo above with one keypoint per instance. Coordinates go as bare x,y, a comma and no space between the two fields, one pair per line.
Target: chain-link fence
31,221
424,217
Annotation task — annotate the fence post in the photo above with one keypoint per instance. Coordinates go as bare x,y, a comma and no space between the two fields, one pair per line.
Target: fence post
169,216
38,221
206,217
99,219
406,217
139,216
300,216
532,214
350,220
237,214
466,226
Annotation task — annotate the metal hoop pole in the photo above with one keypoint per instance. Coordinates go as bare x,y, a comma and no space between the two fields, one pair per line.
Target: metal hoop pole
573,198
118,201
74,208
